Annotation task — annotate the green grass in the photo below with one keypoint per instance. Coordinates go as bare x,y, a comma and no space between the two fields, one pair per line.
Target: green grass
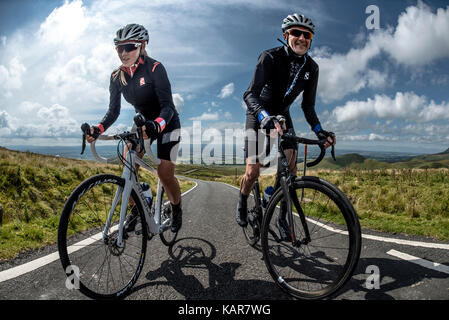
33,190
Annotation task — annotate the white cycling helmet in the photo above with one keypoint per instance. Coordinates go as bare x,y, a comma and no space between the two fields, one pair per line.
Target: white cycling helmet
131,31
296,19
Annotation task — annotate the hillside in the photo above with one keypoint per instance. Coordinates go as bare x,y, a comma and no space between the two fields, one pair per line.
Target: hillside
356,161
33,190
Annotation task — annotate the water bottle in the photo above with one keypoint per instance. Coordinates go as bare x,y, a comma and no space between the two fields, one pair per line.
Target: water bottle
147,193
267,195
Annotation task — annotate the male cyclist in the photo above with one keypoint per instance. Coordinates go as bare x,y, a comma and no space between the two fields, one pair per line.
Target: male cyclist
281,74
144,83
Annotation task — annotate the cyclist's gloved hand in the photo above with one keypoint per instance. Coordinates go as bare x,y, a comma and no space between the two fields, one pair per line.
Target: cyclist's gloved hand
152,129
323,134
94,132
268,123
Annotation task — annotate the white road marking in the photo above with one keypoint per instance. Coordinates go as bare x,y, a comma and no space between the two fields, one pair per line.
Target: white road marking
40,262
385,239
422,262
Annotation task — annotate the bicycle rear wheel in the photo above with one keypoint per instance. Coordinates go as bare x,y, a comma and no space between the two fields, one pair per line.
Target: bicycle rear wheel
106,271
317,268
253,228
168,237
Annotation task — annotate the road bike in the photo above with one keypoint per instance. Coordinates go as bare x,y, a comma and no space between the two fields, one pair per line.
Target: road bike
97,250
324,236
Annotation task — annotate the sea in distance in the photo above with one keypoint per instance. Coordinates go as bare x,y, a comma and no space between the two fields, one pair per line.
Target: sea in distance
110,151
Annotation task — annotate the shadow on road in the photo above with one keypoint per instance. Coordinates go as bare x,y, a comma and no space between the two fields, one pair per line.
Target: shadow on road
393,276
188,254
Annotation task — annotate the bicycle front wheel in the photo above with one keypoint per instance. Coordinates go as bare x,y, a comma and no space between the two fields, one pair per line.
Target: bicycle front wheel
312,267
94,262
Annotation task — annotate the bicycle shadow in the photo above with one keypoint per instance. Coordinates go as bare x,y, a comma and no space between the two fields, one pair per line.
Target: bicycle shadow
190,254
393,275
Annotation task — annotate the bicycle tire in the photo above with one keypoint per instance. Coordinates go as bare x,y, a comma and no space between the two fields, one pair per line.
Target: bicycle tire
81,244
333,252
168,237
254,226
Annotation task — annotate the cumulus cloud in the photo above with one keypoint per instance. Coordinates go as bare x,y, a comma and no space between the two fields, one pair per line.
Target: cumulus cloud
433,41
342,74
11,76
206,117
178,100
226,91
407,106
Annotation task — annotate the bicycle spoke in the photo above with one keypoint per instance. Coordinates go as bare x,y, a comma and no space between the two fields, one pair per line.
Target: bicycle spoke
100,259
313,267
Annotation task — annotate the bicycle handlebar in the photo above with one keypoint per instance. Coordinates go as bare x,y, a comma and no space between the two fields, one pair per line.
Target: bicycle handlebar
320,143
145,145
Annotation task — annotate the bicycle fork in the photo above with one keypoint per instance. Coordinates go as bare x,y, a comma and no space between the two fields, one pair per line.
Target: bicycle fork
291,196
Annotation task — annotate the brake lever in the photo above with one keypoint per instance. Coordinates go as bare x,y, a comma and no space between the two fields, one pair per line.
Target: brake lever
140,120
333,153
85,128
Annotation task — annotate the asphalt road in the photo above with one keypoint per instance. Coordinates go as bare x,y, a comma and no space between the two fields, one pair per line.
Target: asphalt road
211,260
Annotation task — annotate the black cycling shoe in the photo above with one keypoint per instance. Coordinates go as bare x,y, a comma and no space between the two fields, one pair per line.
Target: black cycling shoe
130,222
241,214
177,217
282,224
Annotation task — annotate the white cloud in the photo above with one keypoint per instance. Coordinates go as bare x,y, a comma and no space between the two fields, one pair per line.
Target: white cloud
407,106
226,91
65,24
228,115
419,38
11,79
206,117
178,100
3,40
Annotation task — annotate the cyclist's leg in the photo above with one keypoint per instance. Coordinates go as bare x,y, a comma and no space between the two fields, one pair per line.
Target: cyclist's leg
167,152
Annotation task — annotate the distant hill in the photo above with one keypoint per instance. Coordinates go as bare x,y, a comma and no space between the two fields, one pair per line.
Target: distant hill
357,161
352,161
444,152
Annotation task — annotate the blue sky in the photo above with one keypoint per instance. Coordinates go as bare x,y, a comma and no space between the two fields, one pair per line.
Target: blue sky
382,89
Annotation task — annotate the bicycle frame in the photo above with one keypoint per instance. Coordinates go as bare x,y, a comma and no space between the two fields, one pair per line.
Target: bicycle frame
284,180
153,219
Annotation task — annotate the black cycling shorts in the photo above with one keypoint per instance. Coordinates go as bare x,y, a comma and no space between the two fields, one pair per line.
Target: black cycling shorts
256,139
168,140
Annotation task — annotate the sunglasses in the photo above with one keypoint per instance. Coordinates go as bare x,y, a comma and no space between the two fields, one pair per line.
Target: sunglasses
128,47
297,33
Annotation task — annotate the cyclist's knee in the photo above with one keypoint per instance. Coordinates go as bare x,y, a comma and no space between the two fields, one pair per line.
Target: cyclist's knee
252,173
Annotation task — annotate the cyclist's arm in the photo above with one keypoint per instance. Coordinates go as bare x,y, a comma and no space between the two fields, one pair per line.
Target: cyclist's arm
162,88
114,104
262,76
308,102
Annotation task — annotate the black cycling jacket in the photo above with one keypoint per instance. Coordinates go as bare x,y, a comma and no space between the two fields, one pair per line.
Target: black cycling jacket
275,72
149,91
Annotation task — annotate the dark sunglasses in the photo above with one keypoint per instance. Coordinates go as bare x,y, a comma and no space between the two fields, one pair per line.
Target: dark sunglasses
297,33
128,47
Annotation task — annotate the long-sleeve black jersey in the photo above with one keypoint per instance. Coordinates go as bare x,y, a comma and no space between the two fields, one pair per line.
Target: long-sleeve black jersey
149,91
274,76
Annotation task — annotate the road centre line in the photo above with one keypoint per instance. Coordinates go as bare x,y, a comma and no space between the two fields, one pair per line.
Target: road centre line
419,261
383,239
40,262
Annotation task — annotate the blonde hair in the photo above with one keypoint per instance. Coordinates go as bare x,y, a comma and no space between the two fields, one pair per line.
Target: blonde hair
119,72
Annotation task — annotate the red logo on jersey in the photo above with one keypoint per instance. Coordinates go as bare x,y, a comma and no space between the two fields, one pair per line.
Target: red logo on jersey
142,81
